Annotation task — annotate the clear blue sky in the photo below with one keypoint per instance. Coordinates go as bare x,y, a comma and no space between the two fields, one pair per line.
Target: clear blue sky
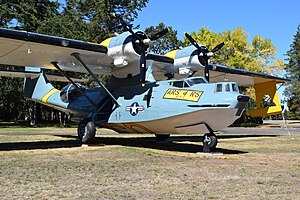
274,19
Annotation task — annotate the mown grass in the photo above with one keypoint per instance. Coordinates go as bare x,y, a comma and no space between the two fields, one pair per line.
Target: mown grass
135,167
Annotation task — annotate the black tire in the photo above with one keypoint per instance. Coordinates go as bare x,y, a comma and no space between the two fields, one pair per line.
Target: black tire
212,140
86,131
160,138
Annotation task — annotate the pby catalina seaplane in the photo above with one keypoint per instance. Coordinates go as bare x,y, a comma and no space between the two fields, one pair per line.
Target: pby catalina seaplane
134,101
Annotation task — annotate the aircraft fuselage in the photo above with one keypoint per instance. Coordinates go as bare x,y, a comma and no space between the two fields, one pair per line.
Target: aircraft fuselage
176,106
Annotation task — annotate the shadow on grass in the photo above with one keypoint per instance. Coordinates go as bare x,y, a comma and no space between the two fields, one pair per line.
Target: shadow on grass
39,145
174,143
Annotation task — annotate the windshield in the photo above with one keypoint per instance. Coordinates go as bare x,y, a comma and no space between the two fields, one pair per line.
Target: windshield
195,81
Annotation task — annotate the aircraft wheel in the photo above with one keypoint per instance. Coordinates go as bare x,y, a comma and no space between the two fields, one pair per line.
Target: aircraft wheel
211,140
160,138
86,131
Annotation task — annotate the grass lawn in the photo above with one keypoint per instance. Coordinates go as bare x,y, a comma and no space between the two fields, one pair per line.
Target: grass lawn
49,163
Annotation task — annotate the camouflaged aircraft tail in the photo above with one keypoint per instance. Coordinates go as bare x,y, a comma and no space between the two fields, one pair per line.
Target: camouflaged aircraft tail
39,89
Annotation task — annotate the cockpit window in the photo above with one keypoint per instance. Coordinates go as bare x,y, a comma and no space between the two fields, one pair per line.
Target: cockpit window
219,88
195,81
180,84
185,84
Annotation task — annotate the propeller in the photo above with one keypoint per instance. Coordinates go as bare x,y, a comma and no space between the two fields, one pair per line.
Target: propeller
141,44
204,54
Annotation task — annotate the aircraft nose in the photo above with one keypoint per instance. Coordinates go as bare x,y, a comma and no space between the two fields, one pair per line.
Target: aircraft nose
243,98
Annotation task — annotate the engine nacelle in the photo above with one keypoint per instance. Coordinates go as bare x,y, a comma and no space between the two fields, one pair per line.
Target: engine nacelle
187,57
124,48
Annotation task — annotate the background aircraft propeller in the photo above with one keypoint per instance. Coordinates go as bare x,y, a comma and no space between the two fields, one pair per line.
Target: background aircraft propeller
204,54
141,44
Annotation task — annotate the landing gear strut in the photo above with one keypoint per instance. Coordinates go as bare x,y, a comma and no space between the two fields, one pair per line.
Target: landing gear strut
210,142
86,131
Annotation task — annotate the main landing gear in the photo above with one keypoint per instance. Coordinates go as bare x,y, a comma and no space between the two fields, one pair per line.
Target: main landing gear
86,131
210,142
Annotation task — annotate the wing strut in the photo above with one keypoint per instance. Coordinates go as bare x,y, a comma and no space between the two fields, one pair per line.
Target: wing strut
55,64
77,56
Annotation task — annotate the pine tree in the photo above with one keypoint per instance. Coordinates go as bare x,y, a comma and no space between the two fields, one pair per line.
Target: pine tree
293,73
166,43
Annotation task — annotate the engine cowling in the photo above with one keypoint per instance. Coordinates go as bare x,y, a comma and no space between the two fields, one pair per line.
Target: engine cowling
124,48
185,60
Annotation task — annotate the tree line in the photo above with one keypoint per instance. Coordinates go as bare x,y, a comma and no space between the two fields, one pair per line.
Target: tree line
95,20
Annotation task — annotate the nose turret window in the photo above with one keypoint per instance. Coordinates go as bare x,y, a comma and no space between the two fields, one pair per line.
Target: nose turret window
227,87
234,87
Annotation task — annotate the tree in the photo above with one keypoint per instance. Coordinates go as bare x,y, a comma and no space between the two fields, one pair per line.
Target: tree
26,15
94,20
292,90
165,43
257,55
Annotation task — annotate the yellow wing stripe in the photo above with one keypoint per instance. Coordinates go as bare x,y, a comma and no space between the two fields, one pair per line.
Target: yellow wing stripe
106,42
45,98
171,54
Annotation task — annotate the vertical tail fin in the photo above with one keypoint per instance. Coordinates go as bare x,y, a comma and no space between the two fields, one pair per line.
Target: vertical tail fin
41,90
30,83
262,90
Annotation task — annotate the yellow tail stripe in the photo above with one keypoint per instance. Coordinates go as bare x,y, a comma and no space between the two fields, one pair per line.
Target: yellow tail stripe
45,98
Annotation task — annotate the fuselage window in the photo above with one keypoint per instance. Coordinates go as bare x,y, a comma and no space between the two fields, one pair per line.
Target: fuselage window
227,87
219,88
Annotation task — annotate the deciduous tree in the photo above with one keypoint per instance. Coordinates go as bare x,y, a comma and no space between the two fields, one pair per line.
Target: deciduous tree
257,55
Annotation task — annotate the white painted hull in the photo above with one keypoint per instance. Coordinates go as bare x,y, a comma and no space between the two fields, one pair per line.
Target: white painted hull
188,123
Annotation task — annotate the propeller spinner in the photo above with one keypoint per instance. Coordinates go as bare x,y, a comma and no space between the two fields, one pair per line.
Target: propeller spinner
141,44
204,54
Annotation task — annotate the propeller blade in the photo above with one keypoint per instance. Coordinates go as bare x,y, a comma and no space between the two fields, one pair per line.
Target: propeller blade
143,68
192,41
202,60
218,47
159,34
128,28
